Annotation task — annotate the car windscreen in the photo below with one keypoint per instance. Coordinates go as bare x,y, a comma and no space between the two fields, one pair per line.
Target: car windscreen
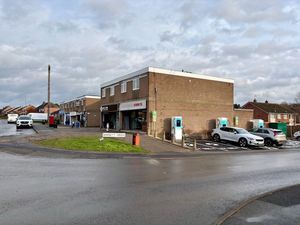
24,118
242,131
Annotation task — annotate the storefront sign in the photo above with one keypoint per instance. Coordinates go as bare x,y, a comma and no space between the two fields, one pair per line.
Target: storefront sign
109,108
114,135
133,105
73,113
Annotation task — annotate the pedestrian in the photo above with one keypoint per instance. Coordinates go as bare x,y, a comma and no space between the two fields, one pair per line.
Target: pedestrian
73,124
107,126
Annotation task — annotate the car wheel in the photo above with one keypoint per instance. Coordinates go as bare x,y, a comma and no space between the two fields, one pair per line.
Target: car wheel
216,138
243,142
268,142
298,138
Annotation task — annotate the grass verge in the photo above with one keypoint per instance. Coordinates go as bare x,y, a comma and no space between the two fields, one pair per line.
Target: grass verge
91,143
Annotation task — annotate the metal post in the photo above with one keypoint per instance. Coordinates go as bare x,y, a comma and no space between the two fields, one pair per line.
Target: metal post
48,92
164,136
182,141
195,144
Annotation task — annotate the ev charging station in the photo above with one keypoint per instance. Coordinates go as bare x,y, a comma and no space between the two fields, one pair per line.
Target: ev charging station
176,128
222,122
258,123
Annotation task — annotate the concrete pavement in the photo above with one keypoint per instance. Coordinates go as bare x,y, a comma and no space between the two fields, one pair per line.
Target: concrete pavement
280,207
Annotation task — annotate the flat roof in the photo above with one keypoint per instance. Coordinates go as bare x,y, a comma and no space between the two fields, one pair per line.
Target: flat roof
81,97
165,71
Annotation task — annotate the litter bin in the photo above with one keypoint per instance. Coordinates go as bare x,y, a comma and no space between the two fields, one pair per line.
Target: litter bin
136,139
77,124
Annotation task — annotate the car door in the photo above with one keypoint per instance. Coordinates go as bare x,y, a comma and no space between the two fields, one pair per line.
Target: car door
224,133
233,135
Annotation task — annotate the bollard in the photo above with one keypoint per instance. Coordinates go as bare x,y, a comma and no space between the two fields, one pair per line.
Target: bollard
164,136
136,139
182,141
195,144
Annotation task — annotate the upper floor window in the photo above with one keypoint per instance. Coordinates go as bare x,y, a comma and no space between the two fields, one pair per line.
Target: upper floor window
123,86
112,90
103,93
285,116
135,84
279,116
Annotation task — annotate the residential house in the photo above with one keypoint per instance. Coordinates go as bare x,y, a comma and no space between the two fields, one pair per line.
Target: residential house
270,112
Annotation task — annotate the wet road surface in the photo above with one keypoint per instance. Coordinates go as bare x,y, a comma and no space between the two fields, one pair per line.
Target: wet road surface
10,129
137,190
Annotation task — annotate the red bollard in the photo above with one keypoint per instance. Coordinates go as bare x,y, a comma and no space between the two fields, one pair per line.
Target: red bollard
136,139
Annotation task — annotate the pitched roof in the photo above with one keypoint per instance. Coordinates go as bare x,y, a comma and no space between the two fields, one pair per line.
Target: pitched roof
272,107
44,104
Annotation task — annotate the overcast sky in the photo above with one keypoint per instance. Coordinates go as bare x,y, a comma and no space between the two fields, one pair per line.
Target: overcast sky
87,42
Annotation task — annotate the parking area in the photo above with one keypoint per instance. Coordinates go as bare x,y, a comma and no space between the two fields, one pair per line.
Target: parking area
210,145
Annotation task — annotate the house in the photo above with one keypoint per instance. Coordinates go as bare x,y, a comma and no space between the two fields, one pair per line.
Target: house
27,109
147,99
43,108
84,109
296,108
270,112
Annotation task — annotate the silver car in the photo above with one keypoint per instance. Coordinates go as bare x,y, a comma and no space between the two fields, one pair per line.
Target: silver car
271,136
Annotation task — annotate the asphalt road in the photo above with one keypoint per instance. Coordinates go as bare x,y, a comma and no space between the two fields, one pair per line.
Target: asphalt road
10,129
36,190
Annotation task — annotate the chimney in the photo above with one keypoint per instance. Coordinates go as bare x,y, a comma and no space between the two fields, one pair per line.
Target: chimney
266,101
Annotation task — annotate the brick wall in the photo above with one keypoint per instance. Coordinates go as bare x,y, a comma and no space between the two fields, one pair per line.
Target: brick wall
244,117
198,101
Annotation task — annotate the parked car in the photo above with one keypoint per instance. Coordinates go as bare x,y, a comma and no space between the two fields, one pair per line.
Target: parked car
238,135
38,117
12,118
297,135
271,136
24,121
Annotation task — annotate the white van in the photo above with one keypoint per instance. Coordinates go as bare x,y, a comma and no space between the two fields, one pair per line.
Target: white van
38,117
12,118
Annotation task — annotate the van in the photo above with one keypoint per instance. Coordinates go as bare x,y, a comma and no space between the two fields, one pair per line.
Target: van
12,118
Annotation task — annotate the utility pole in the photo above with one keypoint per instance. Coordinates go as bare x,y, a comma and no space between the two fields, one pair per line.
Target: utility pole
48,92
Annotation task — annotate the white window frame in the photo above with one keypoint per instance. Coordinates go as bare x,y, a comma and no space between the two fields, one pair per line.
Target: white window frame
285,116
279,116
124,87
112,91
103,94
136,84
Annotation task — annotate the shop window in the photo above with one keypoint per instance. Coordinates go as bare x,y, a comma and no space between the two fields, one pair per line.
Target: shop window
123,86
279,116
103,92
112,90
285,116
136,84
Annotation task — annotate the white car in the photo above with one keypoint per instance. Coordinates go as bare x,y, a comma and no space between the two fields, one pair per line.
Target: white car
24,121
297,135
238,135
12,118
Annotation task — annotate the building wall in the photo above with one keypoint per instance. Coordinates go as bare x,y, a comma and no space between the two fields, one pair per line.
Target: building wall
141,93
93,112
129,94
244,118
198,101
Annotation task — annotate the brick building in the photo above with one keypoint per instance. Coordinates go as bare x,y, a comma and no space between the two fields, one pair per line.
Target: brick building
147,99
270,112
84,109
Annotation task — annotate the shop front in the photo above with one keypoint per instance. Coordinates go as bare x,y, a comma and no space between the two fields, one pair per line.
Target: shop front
134,115
110,116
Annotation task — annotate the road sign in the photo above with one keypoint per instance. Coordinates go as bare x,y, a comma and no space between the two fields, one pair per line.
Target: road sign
114,135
